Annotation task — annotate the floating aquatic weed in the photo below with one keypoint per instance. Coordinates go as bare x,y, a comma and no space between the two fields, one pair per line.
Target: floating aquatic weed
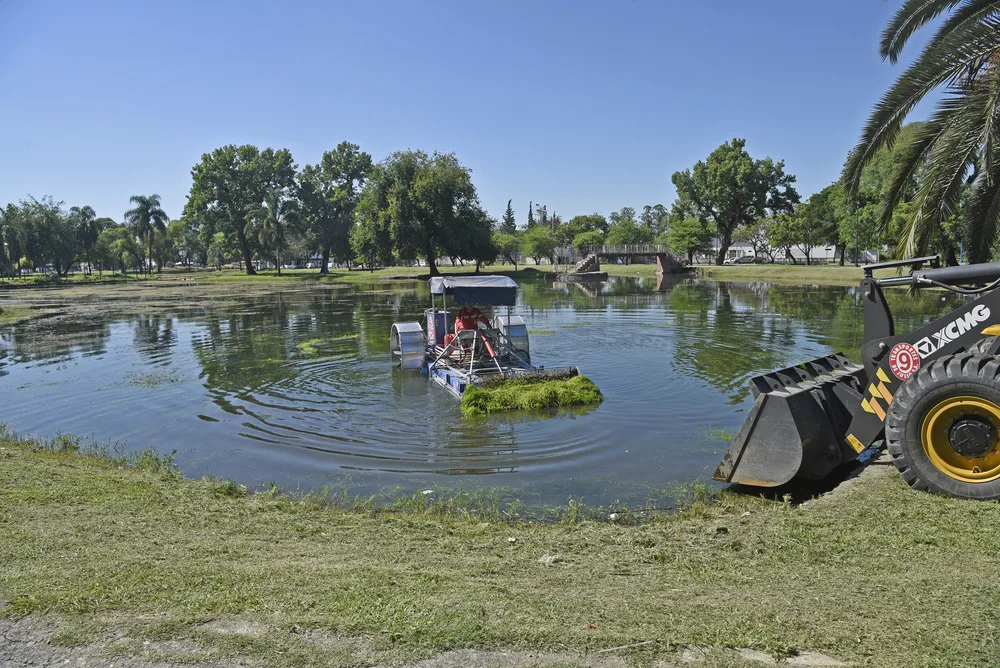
530,395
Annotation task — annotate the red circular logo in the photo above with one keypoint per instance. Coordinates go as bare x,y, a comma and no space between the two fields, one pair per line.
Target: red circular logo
904,361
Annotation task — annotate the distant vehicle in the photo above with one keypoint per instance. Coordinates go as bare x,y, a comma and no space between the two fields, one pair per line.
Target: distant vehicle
746,259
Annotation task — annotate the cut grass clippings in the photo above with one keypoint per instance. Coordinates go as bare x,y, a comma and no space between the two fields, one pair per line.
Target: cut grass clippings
875,574
529,395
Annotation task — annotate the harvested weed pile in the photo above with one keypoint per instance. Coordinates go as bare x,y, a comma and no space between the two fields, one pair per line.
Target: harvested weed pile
530,395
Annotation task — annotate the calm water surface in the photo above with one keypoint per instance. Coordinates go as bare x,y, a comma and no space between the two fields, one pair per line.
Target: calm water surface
296,388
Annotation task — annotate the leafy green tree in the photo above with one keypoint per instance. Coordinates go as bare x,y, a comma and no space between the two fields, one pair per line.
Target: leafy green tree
507,245
585,240
730,189
531,216
509,224
231,182
810,225
655,218
186,241
688,236
625,229
9,220
577,225
537,242
271,221
88,229
145,218
958,144
758,234
428,204
117,248
49,234
862,213
12,233
329,193
371,239
219,249
822,219
784,234
476,243
541,214
164,252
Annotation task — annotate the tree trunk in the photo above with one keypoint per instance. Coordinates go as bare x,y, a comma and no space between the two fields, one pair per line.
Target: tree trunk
950,258
478,262
431,265
843,252
149,246
245,249
325,269
277,263
724,242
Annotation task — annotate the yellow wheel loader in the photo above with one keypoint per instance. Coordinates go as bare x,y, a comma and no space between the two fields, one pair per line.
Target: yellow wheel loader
931,396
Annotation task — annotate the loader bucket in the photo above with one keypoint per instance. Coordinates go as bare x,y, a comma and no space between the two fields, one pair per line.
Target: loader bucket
797,425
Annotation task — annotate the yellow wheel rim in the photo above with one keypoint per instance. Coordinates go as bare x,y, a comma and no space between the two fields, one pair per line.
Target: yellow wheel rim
934,433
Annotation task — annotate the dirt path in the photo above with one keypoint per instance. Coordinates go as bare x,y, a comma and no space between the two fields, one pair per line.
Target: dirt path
33,642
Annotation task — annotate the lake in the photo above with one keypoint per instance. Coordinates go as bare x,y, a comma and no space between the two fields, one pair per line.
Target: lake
294,386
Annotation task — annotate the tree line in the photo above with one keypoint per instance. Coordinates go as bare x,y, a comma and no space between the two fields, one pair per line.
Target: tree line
731,197
248,204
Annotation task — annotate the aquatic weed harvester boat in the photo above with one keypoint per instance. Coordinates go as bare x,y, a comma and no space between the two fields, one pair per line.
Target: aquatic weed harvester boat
467,349
932,396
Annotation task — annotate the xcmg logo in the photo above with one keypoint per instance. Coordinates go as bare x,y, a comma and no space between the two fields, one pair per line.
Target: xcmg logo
929,344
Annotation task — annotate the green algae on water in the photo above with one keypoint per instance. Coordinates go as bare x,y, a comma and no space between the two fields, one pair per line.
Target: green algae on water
321,345
530,395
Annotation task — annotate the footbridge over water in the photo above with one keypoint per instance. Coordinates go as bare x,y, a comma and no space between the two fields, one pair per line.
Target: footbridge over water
665,261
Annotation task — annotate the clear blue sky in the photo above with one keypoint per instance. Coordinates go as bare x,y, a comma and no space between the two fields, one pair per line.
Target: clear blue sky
582,106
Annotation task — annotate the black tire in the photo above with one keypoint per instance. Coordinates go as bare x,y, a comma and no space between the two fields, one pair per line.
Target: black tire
981,346
951,376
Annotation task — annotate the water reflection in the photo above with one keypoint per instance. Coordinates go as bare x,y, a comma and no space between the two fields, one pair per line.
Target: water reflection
295,387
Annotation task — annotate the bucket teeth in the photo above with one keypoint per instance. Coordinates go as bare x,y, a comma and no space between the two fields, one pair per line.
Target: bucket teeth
797,425
821,368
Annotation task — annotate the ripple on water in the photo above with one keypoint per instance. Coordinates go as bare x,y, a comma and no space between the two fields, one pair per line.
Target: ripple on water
297,387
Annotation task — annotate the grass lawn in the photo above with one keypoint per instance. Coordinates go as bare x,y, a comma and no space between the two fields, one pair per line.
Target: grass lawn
873,574
784,273
789,274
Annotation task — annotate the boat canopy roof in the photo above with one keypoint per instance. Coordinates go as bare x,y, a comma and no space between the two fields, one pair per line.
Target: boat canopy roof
476,290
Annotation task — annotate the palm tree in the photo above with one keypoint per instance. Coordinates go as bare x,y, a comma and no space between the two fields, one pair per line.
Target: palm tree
145,218
271,220
87,229
955,156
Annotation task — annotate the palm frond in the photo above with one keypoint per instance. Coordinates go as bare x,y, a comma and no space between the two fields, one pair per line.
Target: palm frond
944,60
950,161
913,156
982,213
911,17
